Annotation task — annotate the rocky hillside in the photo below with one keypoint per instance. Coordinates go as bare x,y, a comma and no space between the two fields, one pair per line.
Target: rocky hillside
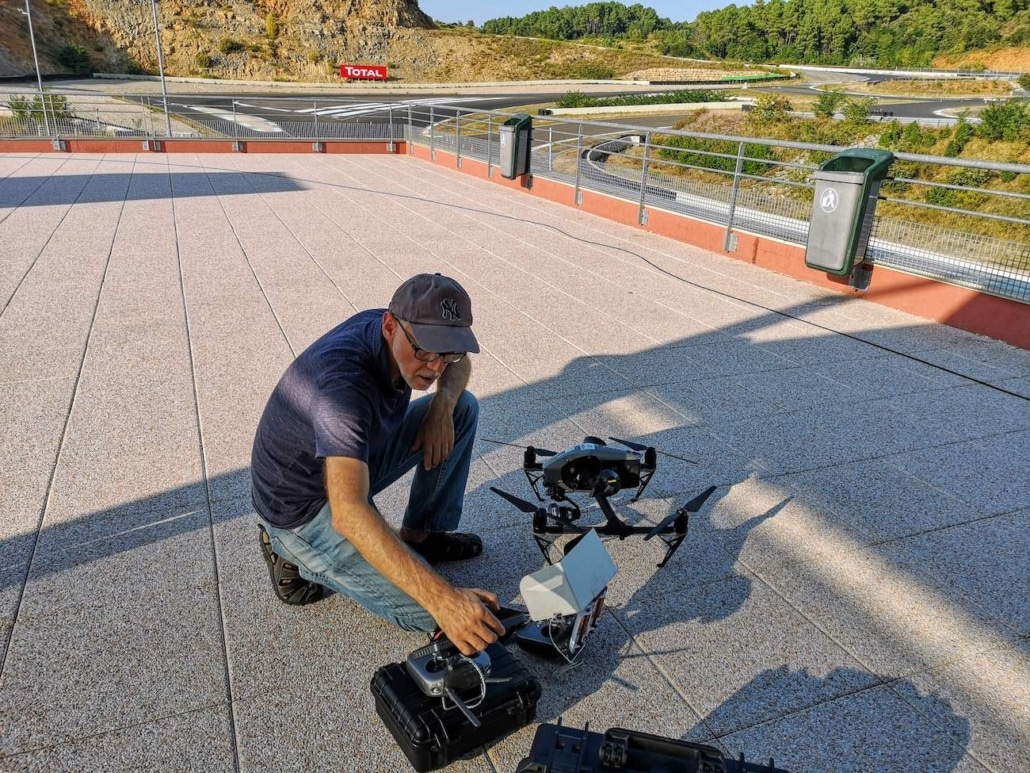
260,39
290,40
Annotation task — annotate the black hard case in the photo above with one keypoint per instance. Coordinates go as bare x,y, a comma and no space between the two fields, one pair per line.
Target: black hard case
430,735
558,749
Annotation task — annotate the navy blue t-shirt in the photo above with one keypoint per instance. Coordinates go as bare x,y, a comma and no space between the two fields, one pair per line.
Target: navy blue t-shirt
336,399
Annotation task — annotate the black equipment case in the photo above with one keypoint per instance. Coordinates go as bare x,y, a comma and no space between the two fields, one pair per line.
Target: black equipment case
430,735
558,749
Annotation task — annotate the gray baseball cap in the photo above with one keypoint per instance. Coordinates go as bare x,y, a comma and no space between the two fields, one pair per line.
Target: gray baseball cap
439,311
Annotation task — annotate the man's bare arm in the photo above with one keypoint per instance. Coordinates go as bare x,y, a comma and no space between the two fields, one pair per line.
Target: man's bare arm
461,613
436,435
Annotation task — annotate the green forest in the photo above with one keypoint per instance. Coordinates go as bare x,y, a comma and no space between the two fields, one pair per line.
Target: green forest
871,33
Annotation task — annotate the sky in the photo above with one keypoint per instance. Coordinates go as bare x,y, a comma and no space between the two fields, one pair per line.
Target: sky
479,12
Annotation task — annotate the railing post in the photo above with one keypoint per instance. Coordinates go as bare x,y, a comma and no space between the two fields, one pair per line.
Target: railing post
579,161
641,213
729,243
411,131
389,125
550,148
489,145
432,133
235,126
457,137
316,119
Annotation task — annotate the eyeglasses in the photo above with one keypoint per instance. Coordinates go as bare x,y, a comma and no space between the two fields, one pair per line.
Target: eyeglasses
423,356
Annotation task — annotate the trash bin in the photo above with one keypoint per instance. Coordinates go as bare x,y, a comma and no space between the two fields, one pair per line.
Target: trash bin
846,188
516,137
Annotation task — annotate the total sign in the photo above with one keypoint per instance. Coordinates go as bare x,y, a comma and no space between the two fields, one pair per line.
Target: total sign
363,72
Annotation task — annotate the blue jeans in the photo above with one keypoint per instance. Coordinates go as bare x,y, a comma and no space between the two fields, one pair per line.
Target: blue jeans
322,555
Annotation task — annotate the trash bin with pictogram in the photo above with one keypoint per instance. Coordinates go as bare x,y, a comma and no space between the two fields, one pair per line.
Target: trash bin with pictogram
846,190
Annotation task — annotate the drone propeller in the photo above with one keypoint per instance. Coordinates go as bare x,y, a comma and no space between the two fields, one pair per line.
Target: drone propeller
641,447
521,504
528,507
688,509
540,451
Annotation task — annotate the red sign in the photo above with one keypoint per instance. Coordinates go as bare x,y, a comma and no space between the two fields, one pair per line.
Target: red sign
363,72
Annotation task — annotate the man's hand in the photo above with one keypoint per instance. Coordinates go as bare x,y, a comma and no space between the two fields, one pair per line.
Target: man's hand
436,435
466,619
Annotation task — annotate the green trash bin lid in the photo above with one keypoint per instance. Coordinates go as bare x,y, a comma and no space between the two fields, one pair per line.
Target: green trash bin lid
871,162
518,120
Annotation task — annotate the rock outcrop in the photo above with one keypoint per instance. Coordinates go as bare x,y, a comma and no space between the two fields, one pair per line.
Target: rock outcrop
266,39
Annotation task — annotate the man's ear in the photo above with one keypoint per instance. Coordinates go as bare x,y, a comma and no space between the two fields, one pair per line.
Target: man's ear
389,325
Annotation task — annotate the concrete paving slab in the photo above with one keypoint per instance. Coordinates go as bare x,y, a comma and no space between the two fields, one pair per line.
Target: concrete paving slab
986,559
33,413
887,376
993,484
144,397
920,623
981,702
872,727
738,639
89,670
193,739
921,336
764,525
776,616
1016,386
880,499
790,389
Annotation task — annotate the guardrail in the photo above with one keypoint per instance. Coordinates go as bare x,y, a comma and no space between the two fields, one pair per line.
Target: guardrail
958,221
969,229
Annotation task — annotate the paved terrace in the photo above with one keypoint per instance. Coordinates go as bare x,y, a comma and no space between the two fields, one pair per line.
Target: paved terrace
854,597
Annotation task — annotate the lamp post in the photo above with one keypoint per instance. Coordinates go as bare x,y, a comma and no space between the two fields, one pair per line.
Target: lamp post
160,68
39,77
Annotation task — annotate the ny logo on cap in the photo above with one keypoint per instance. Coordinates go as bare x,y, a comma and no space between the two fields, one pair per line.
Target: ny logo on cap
449,311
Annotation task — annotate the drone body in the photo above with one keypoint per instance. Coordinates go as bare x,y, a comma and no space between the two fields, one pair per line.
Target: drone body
598,470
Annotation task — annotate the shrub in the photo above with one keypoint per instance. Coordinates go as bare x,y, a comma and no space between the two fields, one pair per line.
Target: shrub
890,136
857,110
25,108
592,71
1008,121
573,99
204,60
911,137
1024,81
828,103
692,151
74,57
230,46
963,133
770,108
271,26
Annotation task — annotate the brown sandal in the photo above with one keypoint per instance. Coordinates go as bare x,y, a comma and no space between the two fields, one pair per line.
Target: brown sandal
289,586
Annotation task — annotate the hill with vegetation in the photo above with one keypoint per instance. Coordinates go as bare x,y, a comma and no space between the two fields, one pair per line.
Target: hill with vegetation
868,33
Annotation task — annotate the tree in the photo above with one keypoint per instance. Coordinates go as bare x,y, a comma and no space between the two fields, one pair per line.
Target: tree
56,105
1007,121
770,108
74,57
828,103
857,110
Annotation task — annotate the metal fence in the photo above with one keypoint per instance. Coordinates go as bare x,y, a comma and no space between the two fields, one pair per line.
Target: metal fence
963,222
974,232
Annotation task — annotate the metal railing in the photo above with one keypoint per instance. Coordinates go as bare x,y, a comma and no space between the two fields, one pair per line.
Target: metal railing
958,221
971,228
